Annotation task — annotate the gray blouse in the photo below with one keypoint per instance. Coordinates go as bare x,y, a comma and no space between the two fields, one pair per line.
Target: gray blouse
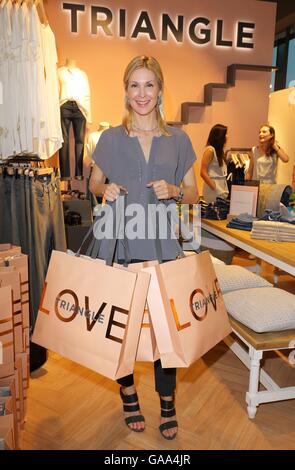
122,161
265,166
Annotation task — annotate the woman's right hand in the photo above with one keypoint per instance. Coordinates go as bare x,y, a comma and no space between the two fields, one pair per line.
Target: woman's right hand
112,191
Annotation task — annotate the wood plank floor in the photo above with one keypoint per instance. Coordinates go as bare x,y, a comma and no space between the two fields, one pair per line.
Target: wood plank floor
71,407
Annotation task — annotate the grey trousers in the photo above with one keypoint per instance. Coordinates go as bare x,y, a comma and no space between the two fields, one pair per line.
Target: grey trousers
32,217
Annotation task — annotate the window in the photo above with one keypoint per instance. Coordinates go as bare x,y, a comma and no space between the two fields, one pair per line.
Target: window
290,80
285,59
274,62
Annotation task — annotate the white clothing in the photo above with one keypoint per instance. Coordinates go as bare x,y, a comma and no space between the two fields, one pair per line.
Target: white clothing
218,175
74,86
92,140
265,167
54,138
30,113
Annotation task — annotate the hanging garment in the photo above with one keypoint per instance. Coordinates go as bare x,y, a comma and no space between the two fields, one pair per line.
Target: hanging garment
54,138
32,216
71,114
74,86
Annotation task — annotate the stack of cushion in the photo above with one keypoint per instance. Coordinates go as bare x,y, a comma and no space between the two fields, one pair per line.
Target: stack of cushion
253,301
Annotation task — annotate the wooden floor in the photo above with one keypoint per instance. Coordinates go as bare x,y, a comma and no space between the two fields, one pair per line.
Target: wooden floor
71,407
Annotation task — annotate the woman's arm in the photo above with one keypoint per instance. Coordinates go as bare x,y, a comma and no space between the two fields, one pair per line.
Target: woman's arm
188,190
98,187
249,174
206,160
281,153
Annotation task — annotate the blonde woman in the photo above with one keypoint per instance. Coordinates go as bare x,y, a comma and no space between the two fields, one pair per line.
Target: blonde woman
148,159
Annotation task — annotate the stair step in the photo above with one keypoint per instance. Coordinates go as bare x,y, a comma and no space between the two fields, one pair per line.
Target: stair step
208,89
193,104
217,85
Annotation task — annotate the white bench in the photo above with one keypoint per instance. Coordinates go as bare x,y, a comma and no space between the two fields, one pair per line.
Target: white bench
257,344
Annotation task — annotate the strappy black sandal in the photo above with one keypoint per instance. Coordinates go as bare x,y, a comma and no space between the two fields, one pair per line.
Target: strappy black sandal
167,411
128,408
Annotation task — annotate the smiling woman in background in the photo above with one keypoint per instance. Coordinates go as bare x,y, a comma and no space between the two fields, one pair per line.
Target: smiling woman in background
264,157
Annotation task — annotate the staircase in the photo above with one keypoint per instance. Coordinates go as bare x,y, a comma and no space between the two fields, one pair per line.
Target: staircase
209,87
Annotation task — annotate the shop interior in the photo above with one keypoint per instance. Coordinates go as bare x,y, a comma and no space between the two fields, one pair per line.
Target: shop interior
230,86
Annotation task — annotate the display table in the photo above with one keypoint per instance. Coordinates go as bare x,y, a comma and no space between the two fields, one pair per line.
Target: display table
279,254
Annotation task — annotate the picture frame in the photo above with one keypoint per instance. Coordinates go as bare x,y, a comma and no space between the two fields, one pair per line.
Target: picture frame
244,199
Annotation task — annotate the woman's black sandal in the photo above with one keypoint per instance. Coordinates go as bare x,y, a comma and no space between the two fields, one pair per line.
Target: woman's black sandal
128,408
167,411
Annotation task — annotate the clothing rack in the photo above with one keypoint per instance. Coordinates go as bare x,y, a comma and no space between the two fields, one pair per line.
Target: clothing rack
30,165
239,156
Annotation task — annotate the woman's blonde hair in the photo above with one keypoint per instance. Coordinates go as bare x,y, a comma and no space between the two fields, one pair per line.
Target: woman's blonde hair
152,64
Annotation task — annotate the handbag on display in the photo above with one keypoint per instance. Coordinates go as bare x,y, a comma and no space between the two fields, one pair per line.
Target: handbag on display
92,312
186,308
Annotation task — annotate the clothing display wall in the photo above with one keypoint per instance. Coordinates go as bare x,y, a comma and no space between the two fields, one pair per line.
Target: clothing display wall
31,216
30,117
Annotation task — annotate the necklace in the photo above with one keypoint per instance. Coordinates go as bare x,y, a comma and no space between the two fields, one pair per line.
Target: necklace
144,130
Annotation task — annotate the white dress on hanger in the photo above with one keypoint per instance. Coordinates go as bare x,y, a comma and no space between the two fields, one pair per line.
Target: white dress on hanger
8,127
39,100
54,139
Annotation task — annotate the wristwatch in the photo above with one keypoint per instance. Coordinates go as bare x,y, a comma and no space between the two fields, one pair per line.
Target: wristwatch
179,198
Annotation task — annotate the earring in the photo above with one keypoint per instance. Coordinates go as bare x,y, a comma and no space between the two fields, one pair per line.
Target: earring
126,100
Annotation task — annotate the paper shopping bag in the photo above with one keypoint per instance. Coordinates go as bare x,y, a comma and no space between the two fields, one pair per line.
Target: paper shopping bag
91,313
7,352
147,350
9,276
187,309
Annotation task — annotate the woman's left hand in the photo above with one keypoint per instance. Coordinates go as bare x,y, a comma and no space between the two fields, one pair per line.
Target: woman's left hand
164,190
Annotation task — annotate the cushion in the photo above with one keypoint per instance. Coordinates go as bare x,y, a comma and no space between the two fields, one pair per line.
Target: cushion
233,278
262,309
216,260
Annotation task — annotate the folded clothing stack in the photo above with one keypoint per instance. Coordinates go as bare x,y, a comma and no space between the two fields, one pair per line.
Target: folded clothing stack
276,231
242,222
217,210
278,216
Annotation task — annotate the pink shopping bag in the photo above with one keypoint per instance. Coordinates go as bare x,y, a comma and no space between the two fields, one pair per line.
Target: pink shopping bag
92,313
186,308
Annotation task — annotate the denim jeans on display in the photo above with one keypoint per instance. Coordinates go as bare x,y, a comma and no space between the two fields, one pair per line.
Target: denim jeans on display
71,114
32,217
242,222
47,231
217,210
278,216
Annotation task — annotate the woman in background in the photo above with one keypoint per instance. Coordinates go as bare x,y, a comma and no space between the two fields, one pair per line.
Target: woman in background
264,157
213,166
214,172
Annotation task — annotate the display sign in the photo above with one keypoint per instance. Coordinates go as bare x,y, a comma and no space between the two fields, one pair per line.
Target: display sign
199,30
243,200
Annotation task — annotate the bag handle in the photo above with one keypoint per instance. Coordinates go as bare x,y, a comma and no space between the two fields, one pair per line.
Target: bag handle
154,200
95,244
